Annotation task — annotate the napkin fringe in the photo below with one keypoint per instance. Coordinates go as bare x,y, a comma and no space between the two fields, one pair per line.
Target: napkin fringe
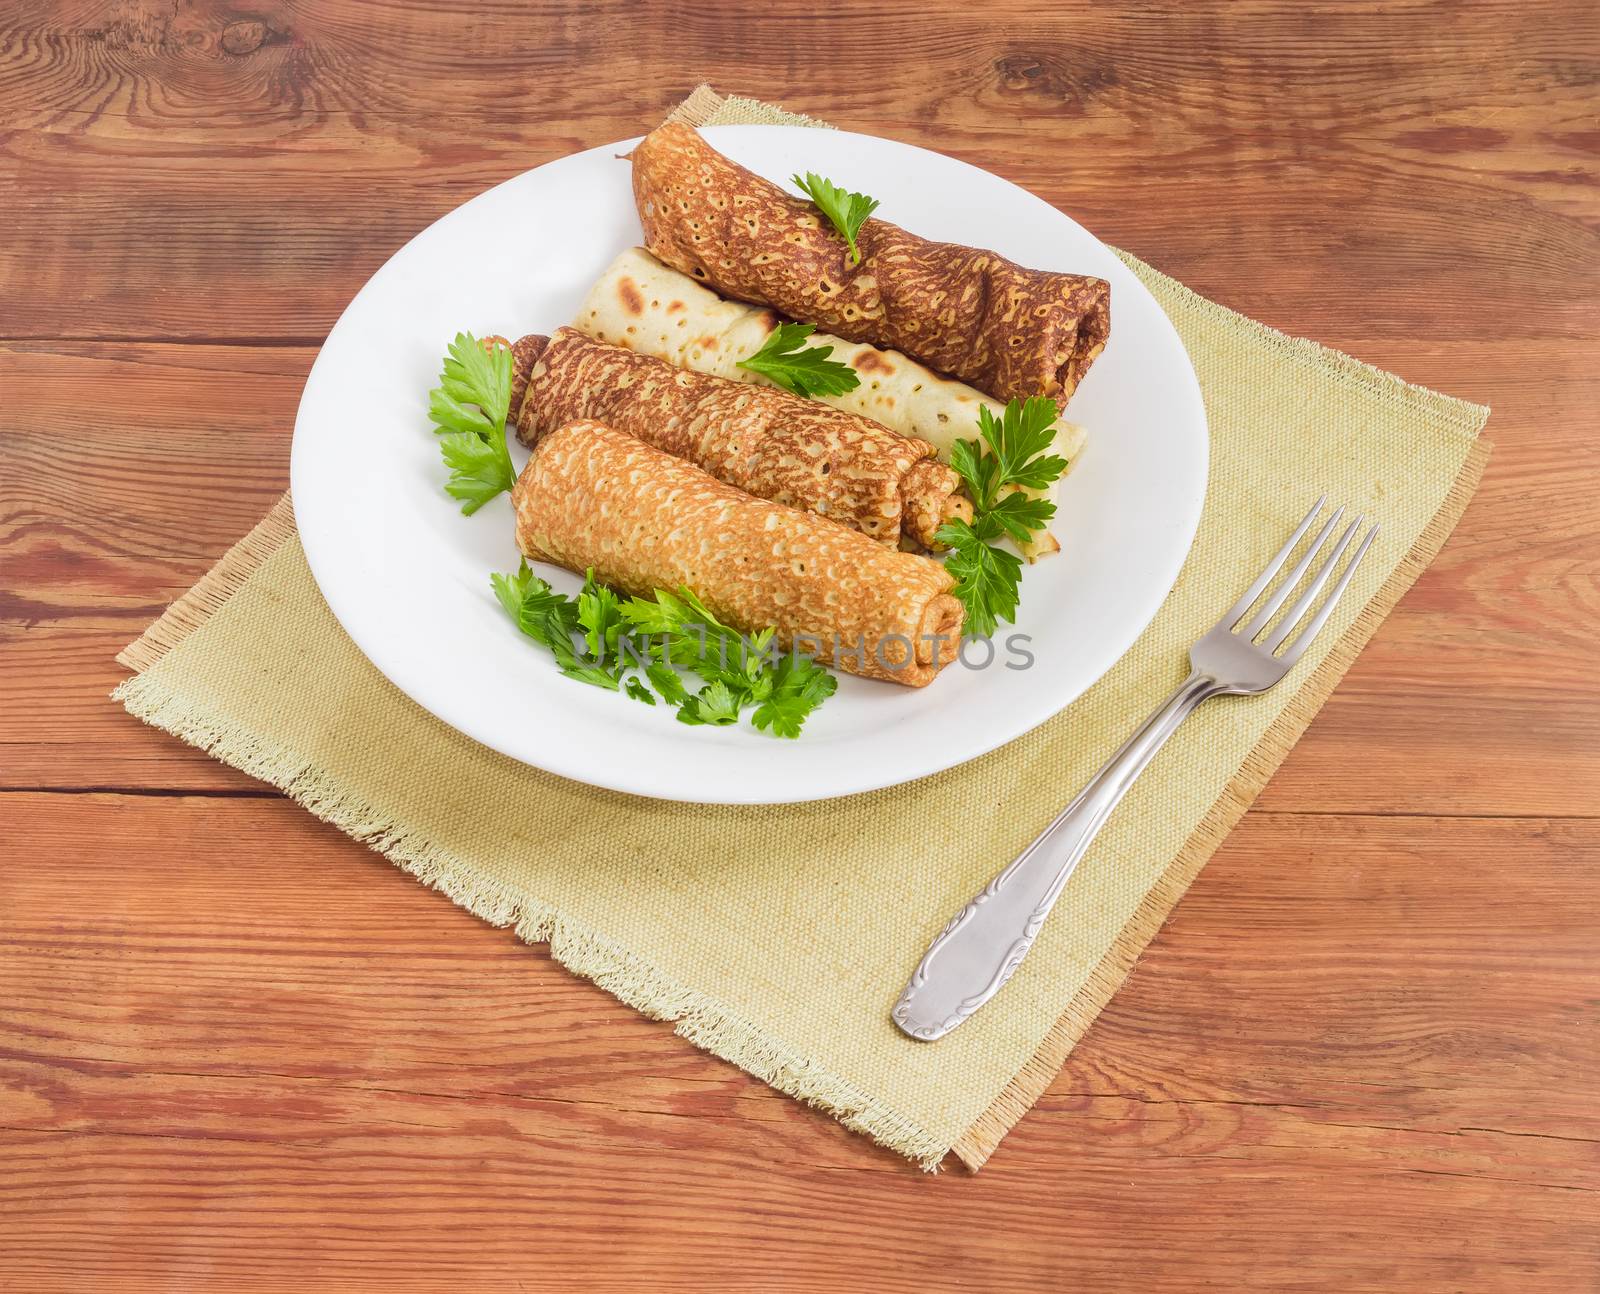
979,1141
695,1016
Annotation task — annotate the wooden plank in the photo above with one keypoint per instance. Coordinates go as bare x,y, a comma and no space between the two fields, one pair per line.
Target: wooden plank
238,1047
494,1204
129,470
175,171
126,469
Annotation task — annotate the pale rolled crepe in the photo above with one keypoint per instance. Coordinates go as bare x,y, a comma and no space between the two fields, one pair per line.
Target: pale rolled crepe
645,306
594,498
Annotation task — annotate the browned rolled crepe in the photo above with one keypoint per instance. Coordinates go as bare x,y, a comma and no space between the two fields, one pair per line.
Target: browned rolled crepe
592,497
767,442
1007,330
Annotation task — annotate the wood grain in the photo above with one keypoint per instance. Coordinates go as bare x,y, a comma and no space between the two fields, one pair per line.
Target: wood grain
167,187
1363,1054
395,1092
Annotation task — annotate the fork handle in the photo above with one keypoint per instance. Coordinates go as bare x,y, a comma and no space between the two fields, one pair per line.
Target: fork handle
986,941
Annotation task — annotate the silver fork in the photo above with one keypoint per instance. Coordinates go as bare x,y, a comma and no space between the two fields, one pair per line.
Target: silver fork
986,941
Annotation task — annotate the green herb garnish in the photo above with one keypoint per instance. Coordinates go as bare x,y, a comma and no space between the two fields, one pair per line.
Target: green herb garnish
551,618
469,408
785,360
799,686
627,643
848,211
988,578
1009,457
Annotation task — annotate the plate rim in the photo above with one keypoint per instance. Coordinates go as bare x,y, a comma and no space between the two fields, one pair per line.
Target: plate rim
592,774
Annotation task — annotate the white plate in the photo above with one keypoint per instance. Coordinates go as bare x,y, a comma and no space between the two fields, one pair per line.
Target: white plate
408,576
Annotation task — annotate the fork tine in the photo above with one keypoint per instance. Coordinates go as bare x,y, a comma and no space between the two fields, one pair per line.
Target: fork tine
1273,567
1263,617
1301,604
1321,618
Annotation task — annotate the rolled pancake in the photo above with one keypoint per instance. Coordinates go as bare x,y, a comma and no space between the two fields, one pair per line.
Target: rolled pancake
592,497
643,305
1010,331
766,442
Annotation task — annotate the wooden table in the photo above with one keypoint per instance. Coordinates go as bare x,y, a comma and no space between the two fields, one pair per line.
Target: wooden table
1363,1054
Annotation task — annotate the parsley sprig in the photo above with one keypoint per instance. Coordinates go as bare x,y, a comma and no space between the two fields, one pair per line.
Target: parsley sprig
551,618
662,639
468,409
848,211
785,360
1009,457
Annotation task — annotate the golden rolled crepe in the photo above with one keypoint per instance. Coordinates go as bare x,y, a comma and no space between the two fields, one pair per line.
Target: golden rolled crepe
1008,330
592,497
643,305
767,442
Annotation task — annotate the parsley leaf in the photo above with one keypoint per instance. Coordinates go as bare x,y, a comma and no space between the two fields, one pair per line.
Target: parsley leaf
799,686
600,618
698,642
1017,516
511,589
656,635
667,684
1008,458
575,667
987,577
1020,435
653,616
976,470
540,612
848,211
547,616
785,360
468,410
476,472
1011,452
715,703
551,618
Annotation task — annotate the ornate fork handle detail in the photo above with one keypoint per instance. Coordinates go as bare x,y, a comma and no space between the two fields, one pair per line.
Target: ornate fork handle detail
986,941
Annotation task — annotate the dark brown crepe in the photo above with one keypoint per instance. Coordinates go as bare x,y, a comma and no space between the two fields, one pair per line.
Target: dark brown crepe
766,442
1007,330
